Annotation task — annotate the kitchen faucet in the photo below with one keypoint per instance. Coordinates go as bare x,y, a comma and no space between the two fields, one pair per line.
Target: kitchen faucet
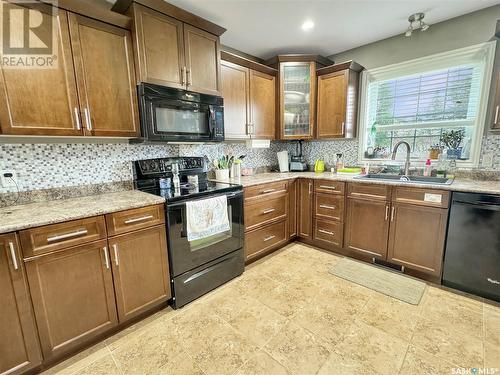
408,150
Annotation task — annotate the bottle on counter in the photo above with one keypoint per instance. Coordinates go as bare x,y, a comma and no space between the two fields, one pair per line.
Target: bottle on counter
175,179
428,168
340,163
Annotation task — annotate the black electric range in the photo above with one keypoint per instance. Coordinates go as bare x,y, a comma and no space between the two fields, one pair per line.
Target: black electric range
196,267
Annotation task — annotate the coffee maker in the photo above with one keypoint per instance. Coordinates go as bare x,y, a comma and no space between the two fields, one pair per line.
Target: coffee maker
298,163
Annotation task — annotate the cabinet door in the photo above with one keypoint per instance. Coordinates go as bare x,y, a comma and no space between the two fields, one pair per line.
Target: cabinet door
305,208
41,101
73,299
417,237
263,105
332,91
202,60
105,74
19,348
297,99
140,271
367,227
160,48
292,208
496,109
235,91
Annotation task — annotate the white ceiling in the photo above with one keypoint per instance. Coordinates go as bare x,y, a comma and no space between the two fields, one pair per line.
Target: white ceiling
264,28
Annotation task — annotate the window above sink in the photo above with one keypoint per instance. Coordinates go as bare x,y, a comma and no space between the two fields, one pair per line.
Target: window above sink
420,101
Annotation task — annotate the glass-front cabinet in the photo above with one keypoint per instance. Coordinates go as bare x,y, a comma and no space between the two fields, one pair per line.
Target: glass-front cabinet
297,95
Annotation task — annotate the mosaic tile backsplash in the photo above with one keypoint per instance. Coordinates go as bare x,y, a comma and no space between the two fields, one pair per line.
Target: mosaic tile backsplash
49,166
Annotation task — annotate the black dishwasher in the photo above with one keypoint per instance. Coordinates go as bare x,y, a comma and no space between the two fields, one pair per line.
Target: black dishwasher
472,255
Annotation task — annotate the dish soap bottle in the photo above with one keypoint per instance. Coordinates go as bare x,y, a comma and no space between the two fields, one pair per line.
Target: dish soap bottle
428,168
340,163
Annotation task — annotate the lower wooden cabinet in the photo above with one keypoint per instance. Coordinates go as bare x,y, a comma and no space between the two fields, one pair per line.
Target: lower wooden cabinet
262,240
140,271
305,205
292,208
328,232
73,297
367,227
19,347
417,236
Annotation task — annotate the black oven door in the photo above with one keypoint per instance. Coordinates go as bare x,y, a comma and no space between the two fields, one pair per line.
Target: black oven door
186,255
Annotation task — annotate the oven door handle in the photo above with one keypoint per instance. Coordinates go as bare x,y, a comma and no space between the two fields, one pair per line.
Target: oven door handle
229,196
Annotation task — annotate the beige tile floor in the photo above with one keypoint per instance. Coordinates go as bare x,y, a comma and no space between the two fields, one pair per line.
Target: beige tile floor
287,315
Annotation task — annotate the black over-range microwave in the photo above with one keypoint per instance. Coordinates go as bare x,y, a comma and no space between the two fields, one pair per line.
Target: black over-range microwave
174,115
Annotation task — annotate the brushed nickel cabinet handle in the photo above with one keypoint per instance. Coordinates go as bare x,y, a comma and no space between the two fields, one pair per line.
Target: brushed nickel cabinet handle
310,188
106,257
77,119
327,187
13,256
327,207
269,238
137,219
115,250
183,75
65,236
88,120
393,211
268,211
326,232
188,75
496,114
268,191
386,213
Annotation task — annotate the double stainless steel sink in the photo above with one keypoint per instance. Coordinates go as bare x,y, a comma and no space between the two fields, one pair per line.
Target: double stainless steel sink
407,179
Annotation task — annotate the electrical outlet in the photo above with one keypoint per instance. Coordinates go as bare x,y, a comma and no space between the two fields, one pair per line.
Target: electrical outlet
5,181
487,160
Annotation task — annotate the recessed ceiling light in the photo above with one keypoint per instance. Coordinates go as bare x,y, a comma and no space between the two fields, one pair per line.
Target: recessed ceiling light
307,25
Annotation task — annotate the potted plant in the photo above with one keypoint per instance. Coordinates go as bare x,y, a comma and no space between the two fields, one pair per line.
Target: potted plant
223,164
452,139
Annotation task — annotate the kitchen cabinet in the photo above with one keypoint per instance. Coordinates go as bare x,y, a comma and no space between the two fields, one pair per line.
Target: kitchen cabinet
337,103
74,282
417,236
173,53
90,91
235,89
328,213
496,106
42,101
292,208
305,210
105,75
140,271
19,347
249,98
297,94
262,99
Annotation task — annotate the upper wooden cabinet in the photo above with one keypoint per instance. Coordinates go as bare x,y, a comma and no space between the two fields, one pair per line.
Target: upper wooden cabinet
173,53
297,94
337,100
19,347
90,91
105,75
42,101
249,98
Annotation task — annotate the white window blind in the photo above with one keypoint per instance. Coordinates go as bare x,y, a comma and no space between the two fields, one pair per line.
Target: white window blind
447,97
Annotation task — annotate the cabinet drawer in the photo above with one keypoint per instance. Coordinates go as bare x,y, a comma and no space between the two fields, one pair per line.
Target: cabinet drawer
368,191
261,240
262,211
422,197
265,189
329,232
328,206
127,221
328,186
42,240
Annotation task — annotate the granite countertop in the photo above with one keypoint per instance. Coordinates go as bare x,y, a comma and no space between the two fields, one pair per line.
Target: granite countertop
463,185
42,213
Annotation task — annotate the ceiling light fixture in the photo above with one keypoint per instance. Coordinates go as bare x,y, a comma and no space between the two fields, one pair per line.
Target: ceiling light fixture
416,22
307,25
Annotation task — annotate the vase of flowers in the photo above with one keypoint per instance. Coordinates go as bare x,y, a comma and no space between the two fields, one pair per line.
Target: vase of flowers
223,164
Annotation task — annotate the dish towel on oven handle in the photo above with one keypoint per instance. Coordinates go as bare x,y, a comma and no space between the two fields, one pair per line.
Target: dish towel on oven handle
206,217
